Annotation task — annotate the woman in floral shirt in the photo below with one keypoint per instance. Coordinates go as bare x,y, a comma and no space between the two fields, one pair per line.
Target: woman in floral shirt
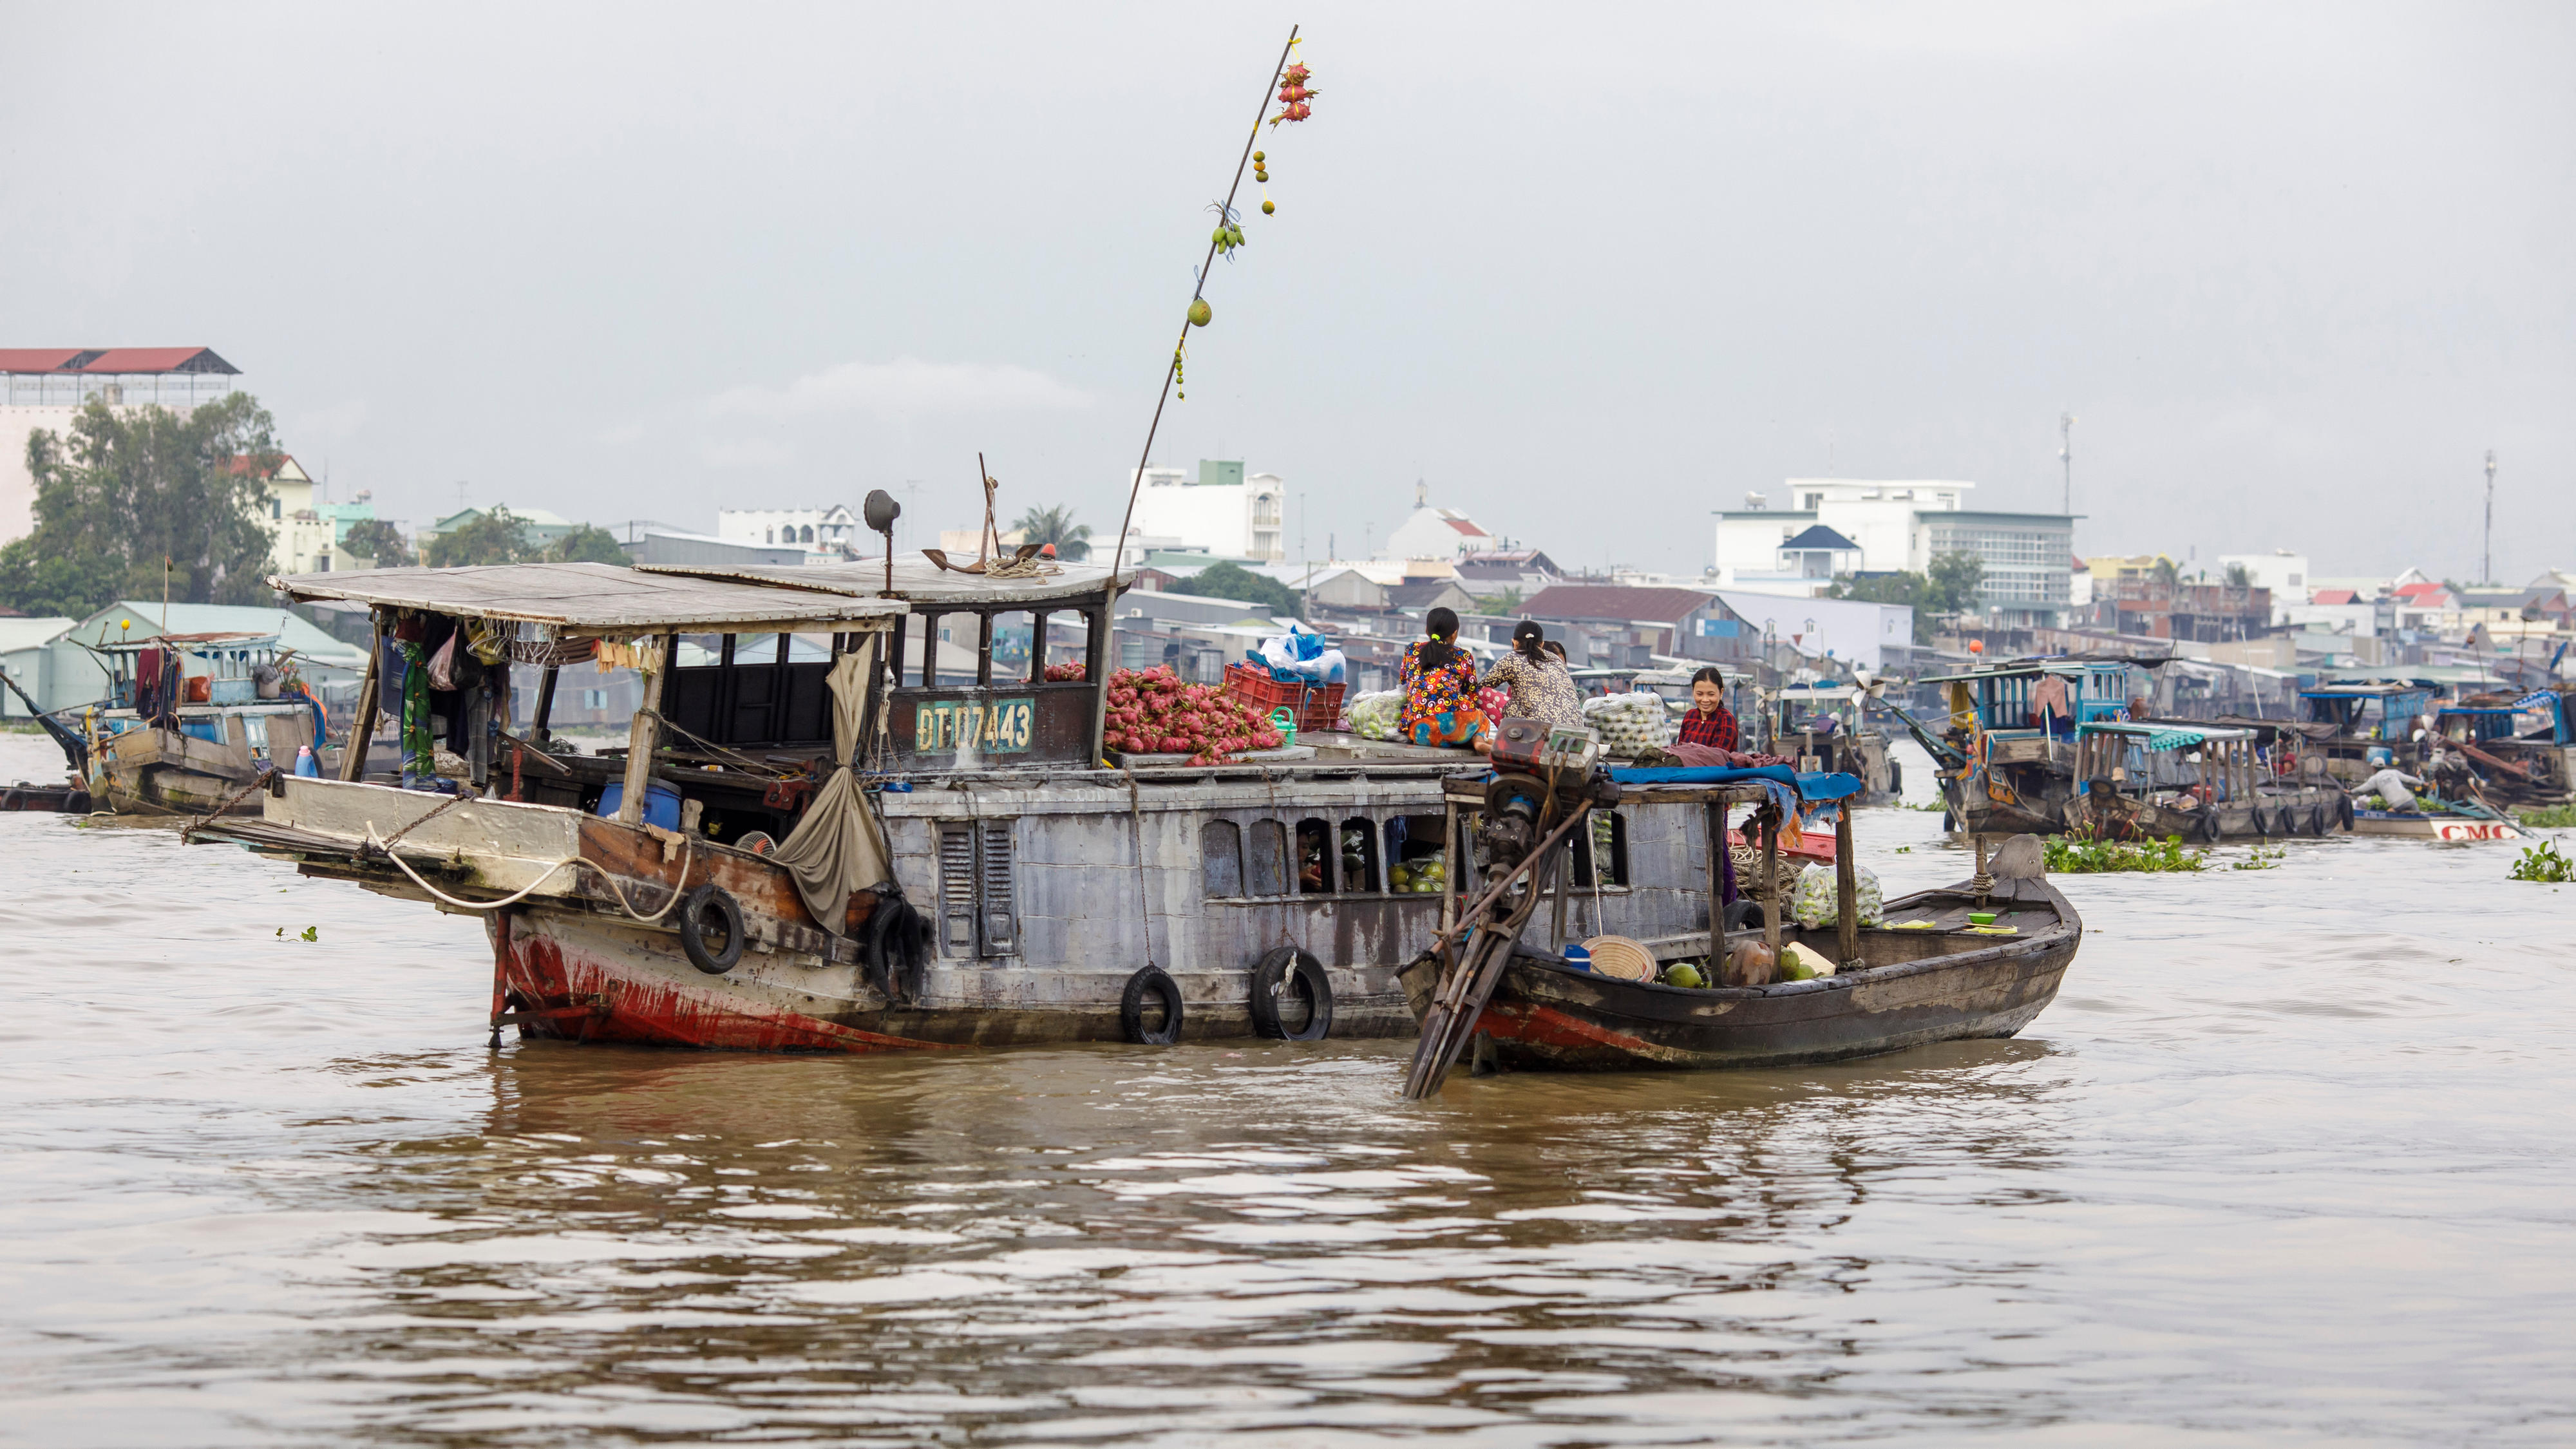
1440,706
1542,688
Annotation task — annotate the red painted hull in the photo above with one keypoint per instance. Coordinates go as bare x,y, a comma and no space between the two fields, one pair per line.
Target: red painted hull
564,989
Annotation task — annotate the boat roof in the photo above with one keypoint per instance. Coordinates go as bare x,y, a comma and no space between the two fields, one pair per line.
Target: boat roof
591,598
2031,668
220,637
2363,691
915,580
2162,736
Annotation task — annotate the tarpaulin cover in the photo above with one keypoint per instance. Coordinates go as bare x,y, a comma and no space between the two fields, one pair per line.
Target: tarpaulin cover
1820,786
834,850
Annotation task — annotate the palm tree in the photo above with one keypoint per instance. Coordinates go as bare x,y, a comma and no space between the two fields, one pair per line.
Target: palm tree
1056,526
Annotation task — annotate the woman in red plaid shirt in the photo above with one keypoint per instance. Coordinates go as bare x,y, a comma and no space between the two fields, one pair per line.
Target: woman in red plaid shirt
1709,722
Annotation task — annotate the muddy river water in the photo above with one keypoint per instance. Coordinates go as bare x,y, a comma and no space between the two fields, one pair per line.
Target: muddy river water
2292,1159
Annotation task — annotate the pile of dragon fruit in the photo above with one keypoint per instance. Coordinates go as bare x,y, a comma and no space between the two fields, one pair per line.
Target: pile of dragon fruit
1153,712
1073,673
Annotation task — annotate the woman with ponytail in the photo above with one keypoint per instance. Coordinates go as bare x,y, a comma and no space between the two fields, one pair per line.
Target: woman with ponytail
1542,687
1439,682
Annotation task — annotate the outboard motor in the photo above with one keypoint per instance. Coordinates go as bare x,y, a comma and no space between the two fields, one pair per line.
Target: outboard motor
1536,766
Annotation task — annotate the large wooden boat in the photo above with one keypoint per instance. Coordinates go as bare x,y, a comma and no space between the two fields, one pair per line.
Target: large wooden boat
1027,892
2522,749
2007,768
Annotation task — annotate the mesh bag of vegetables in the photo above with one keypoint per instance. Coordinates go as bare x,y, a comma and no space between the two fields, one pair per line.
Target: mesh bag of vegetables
1815,901
1629,724
1373,716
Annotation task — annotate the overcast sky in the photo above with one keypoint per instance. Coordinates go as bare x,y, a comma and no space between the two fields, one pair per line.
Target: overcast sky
1591,273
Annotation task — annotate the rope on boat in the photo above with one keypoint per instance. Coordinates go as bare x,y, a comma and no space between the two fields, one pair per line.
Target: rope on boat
188,832
689,859
1136,832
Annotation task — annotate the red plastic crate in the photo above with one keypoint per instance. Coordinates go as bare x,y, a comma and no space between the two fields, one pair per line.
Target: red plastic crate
1318,706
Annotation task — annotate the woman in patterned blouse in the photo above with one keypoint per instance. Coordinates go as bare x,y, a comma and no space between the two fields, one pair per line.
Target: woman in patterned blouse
1439,687
1542,688
1709,722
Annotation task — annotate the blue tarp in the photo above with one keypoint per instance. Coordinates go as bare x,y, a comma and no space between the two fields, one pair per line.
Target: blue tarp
1809,787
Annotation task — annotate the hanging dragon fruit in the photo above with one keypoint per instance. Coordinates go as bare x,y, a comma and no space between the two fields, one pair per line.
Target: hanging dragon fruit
1296,97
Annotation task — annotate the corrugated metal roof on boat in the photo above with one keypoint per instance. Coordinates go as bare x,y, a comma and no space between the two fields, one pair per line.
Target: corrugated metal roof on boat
589,598
918,580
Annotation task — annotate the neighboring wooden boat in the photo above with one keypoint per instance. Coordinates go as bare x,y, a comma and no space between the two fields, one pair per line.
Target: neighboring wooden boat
2444,829
2156,779
1920,985
188,744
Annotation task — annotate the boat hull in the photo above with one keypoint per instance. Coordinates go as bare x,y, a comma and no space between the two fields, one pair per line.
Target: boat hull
2442,829
575,975
1546,1017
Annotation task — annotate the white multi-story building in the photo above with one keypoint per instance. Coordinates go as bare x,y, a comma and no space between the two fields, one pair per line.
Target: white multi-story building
1221,510
1858,525
835,530
2285,573
46,387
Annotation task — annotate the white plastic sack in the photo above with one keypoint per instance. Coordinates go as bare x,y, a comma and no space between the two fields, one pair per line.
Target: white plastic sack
1814,903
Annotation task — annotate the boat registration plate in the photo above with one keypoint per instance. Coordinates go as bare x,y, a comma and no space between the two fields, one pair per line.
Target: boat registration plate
994,726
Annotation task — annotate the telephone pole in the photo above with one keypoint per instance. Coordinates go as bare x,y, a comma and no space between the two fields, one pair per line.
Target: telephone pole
2486,550
2066,454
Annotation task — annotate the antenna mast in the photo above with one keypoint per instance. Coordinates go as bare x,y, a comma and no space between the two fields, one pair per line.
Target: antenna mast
2486,550
2066,454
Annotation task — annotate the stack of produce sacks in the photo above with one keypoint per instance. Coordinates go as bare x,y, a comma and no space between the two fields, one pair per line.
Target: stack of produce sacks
1373,716
1152,712
1629,724
1813,902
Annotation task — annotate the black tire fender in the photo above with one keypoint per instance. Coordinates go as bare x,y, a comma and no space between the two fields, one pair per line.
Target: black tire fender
1742,913
1150,981
1272,976
1895,777
2346,813
693,936
2318,818
2262,822
2209,831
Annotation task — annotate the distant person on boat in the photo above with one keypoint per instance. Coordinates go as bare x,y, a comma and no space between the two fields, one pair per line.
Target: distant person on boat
1542,688
2392,785
1439,680
1709,721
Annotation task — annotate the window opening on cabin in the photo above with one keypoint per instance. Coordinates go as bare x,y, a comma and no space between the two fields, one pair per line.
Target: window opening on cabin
1221,859
1314,852
978,898
1601,853
1359,856
1415,861
1266,871
1013,647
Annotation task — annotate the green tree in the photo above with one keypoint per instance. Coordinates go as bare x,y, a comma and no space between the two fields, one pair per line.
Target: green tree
134,496
1234,581
1506,602
378,539
1949,586
2238,576
2164,573
1055,525
587,544
496,537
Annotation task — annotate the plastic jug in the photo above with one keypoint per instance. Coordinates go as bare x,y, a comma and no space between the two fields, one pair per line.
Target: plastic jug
306,766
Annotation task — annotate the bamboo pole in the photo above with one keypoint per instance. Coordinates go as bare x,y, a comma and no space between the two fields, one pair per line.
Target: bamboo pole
1118,555
1846,891
642,735
1716,812
1772,904
353,759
